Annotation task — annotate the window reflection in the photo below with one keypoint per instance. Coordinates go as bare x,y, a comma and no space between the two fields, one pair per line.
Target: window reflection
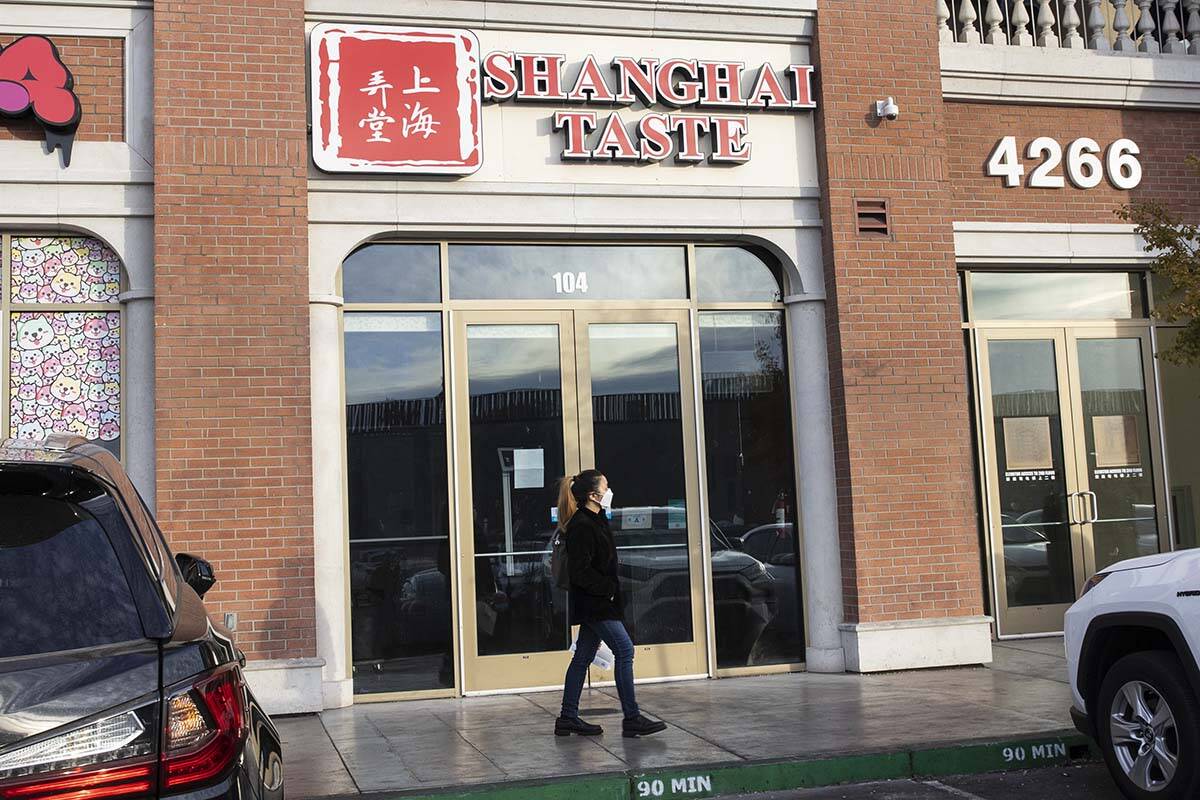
1038,564
638,433
401,616
516,429
567,272
1117,431
734,274
747,442
1057,295
1180,395
393,273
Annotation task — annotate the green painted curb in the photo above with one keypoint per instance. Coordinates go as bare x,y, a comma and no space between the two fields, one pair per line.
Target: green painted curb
1051,749
1043,751
753,778
611,787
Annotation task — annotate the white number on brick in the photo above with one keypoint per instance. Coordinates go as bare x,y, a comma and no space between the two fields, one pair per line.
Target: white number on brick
1006,163
1124,170
1050,151
1083,166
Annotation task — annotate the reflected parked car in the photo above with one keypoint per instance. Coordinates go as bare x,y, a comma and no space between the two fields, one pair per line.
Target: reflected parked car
775,546
116,683
656,582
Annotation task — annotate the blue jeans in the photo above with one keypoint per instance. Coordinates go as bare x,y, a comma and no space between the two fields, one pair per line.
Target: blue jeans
613,633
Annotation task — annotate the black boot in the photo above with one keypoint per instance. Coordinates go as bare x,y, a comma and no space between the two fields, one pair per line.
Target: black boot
565,726
637,726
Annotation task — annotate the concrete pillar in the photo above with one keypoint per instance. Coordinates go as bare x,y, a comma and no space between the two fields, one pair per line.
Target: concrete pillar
813,429
329,481
138,391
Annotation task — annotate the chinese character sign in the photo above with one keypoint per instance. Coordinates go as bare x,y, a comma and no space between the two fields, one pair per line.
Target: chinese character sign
395,100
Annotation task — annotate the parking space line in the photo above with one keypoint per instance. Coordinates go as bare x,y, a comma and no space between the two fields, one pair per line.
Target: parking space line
954,791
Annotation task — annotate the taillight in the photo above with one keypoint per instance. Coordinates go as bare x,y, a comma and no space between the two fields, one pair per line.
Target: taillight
205,727
110,757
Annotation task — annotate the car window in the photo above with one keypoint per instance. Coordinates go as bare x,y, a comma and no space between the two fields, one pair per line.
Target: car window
58,567
758,543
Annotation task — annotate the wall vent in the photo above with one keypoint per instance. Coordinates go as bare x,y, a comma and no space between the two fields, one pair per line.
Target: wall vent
871,217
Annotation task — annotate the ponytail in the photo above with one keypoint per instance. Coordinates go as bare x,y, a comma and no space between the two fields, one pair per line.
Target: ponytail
573,491
566,502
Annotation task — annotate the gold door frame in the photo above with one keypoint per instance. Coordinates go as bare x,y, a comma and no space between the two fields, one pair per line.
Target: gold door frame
1153,427
1047,619
488,674
683,659
496,673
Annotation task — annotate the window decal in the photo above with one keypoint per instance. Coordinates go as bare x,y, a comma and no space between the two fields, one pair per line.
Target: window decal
65,374
69,269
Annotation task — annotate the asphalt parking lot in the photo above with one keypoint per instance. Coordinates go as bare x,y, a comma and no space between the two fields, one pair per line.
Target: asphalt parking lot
1087,782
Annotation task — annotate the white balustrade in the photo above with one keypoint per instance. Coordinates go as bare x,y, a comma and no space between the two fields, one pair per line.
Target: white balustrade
1167,27
1145,28
968,33
1121,24
943,22
1070,25
1045,22
1193,25
1020,24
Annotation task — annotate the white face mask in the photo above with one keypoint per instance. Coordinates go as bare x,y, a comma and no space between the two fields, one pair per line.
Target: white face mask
606,500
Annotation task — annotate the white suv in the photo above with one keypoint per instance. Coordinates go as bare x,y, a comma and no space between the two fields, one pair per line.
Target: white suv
1133,645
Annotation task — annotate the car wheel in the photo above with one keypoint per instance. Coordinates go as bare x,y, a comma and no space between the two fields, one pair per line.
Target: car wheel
1148,727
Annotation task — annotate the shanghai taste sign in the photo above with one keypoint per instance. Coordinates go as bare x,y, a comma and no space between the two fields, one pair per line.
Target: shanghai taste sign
35,82
397,100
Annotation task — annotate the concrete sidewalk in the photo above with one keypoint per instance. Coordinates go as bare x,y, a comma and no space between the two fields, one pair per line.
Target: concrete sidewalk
429,746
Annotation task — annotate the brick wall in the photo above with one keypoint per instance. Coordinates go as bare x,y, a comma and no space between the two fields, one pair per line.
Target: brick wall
902,433
232,368
98,66
1165,139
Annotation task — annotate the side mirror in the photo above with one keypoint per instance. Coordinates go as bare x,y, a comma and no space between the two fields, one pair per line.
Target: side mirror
197,572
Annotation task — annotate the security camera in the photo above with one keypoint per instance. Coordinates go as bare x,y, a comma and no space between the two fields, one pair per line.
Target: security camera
887,109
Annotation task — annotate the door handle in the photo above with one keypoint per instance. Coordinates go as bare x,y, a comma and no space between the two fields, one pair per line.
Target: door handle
1071,508
1094,502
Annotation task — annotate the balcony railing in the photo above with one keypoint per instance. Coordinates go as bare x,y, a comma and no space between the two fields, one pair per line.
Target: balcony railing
1127,26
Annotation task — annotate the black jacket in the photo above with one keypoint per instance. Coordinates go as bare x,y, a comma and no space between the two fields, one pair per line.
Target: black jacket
592,560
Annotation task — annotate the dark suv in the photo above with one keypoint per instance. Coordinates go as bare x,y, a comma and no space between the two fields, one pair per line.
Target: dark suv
114,683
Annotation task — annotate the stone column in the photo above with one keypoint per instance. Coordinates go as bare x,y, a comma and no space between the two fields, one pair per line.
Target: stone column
138,392
329,481
818,506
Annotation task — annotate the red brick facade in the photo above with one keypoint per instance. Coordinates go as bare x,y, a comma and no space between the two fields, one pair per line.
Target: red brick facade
98,66
233,411
910,544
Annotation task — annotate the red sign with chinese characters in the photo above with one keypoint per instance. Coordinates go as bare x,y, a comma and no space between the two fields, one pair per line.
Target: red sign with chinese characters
395,100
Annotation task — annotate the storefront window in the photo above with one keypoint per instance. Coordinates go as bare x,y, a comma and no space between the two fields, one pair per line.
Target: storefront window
567,272
398,498
1180,397
61,300
748,448
393,273
734,274
1056,295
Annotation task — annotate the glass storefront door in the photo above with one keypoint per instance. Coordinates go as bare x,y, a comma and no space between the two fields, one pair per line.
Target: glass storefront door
543,394
1071,455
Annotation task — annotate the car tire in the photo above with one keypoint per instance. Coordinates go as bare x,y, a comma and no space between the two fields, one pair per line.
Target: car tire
1138,736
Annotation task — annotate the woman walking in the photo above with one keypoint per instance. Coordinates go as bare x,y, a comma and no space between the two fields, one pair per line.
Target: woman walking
595,603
